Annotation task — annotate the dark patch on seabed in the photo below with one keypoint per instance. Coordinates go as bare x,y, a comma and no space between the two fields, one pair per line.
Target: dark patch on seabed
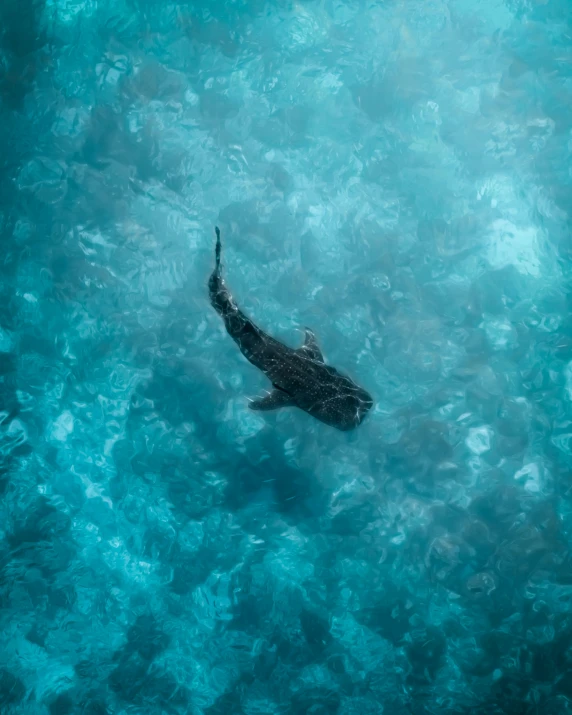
395,176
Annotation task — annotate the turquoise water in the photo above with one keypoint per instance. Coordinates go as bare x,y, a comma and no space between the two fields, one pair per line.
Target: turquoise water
395,175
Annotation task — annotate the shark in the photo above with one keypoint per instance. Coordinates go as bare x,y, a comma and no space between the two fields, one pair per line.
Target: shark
300,377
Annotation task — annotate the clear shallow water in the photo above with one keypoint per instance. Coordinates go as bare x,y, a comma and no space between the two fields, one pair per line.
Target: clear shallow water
395,175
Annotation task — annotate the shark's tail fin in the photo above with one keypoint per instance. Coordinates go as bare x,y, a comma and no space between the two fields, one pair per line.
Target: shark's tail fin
219,295
217,249
240,328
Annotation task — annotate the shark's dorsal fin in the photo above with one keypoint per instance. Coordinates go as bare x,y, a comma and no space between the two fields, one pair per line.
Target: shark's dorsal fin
272,401
311,349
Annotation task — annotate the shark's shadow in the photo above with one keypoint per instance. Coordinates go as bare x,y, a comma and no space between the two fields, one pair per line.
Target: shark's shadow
204,477
23,39
255,468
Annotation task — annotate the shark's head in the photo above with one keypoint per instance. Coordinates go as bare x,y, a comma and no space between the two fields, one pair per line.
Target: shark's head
357,403
365,404
348,408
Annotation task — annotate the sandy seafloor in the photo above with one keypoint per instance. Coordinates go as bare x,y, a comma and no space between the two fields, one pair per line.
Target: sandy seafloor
395,175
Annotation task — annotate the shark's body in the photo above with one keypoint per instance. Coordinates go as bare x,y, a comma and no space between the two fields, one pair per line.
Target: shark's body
300,378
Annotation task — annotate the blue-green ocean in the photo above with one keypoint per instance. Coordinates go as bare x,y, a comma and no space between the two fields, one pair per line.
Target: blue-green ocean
395,175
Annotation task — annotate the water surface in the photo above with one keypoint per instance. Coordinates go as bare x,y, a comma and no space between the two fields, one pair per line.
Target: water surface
395,175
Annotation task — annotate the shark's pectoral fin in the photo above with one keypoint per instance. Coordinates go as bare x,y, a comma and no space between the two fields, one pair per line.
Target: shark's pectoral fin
311,348
272,401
